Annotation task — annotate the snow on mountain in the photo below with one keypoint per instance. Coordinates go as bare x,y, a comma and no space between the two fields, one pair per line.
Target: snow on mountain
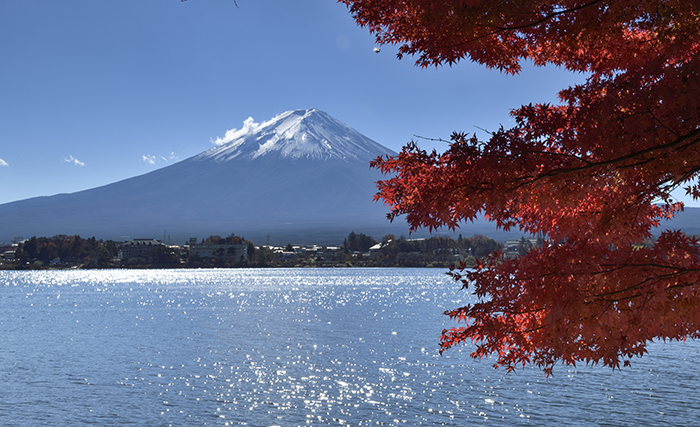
300,176
295,134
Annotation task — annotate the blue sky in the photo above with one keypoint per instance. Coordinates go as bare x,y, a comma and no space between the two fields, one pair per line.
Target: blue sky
92,92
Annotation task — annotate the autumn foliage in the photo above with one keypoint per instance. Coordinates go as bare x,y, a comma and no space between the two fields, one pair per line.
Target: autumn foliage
593,175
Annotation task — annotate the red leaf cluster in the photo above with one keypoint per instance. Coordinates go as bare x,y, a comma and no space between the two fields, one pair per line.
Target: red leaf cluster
594,174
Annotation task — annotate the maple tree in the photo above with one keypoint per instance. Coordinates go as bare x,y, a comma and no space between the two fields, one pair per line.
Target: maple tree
593,174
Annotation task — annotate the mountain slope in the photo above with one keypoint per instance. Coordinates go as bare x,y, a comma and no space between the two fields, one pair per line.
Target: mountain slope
302,173
300,177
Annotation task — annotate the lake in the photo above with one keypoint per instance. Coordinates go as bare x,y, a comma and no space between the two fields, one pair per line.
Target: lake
291,347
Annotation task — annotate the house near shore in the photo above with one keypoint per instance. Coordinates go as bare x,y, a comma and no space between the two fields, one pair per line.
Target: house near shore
515,248
7,253
137,248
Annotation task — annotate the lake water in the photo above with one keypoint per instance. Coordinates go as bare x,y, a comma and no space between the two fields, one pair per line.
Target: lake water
291,347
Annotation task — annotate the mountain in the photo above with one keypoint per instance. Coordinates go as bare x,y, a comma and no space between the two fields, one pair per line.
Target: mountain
302,176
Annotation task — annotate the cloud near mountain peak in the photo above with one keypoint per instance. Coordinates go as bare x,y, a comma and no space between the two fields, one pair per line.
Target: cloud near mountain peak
249,127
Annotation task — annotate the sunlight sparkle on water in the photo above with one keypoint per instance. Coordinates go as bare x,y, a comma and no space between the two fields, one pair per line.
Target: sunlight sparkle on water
289,347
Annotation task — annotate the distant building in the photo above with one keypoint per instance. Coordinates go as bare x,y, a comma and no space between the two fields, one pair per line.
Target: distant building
7,252
331,253
374,251
285,255
137,248
513,248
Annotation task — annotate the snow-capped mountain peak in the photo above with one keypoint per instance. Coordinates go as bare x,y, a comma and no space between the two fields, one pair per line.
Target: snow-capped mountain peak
300,174
295,134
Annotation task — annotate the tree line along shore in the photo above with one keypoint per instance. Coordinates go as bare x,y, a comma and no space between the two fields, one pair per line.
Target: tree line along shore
357,250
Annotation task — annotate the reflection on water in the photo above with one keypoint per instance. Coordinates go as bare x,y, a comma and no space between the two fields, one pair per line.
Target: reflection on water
290,347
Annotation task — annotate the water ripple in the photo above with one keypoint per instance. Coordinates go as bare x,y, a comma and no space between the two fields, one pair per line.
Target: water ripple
290,347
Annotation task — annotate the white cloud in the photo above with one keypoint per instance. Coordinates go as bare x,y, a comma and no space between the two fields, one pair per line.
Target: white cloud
71,159
249,127
3,163
152,160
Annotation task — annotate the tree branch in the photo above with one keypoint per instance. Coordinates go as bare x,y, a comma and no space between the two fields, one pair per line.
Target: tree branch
547,17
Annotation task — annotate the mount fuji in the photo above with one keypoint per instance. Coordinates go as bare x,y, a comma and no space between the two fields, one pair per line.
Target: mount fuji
302,176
